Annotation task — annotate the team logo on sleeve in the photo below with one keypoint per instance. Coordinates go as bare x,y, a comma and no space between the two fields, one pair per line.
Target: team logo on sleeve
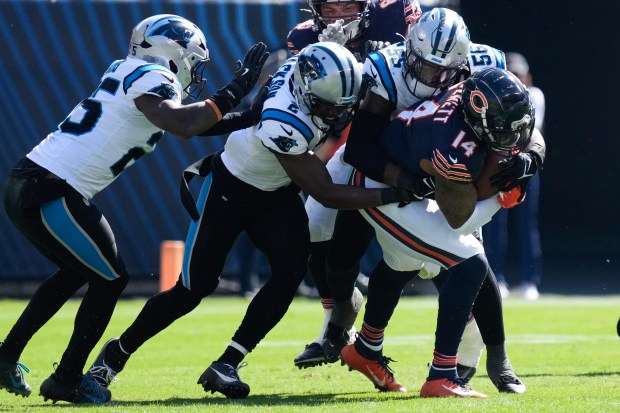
164,90
285,144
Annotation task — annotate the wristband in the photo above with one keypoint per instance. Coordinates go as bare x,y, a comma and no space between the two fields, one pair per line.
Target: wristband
216,109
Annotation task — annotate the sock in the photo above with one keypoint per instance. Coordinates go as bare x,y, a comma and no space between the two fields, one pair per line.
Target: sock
328,304
498,364
115,356
443,366
67,377
369,342
470,349
233,355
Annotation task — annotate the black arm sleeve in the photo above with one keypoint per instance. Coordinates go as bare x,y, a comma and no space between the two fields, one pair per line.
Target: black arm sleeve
362,150
230,122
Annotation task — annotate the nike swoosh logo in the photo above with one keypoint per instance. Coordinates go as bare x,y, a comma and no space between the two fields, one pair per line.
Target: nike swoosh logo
372,72
246,70
221,376
379,383
288,132
453,160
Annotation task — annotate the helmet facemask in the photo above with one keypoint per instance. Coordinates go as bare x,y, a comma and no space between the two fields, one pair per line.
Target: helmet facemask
435,52
327,82
354,24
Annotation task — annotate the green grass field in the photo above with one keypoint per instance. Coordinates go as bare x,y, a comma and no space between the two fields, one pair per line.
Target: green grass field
565,349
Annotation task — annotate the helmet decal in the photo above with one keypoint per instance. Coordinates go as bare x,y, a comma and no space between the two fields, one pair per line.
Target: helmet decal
176,31
484,104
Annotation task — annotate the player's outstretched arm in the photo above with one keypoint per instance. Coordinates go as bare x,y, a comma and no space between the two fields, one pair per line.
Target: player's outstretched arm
310,174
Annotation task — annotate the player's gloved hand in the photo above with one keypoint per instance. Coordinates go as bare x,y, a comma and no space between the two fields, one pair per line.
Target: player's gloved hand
374,45
334,32
421,187
511,198
257,103
246,75
516,171
394,195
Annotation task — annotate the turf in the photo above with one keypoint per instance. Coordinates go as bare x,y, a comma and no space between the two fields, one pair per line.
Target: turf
564,348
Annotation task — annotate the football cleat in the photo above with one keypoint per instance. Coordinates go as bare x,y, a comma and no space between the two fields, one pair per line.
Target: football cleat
510,384
224,378
87,392
12,379
465,372
106,366
448,388
377,371
336,337
312,356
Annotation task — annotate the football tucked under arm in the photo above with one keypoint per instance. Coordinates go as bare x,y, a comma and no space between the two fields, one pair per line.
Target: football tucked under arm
483,183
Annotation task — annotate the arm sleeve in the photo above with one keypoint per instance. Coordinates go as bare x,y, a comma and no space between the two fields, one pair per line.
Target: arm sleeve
483,212
362,150
230,122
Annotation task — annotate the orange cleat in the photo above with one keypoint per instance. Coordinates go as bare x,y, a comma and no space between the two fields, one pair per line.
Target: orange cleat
448,388
376,370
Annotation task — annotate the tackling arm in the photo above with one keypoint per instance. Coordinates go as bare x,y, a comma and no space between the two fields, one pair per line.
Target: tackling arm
310,174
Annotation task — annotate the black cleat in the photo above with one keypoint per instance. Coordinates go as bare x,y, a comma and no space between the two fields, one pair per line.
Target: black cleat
465,372
510,384
106,366
312,356
12,379
336,337
87,392
224,378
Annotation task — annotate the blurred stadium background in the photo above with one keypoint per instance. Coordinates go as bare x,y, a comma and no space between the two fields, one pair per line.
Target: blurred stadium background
54,52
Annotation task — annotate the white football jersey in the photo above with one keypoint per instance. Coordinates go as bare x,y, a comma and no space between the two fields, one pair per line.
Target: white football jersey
284,128
385,71
106,133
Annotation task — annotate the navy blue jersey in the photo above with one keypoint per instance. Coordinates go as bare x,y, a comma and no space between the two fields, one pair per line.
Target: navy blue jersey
435,130
388,23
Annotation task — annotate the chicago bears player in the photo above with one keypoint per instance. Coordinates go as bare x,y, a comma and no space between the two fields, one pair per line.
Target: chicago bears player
253,186
47,195
400,75
447,138
363,22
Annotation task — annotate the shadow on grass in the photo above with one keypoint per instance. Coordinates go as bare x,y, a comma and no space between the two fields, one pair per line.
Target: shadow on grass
273,400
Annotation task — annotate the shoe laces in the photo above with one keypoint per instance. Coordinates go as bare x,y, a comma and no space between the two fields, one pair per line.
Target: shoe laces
22,368
105,372
508,380
235,371
460,382
383,363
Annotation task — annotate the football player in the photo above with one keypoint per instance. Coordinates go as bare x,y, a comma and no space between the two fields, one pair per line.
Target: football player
447,138
48,193
364,25
400,77
253,186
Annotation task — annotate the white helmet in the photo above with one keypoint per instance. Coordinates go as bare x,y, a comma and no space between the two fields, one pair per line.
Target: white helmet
327,82
175,43
436,51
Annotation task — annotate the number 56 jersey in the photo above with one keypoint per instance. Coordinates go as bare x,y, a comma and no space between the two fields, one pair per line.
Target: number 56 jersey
106,133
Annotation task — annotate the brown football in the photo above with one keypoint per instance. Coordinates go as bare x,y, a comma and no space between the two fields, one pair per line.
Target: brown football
482,183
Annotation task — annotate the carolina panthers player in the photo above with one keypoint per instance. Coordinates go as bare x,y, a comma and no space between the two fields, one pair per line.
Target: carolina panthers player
448,138
399,77
362,23
48,193
253,186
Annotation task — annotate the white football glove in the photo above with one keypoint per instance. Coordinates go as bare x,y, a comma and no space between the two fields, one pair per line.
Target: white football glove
429,271
334,32
374,45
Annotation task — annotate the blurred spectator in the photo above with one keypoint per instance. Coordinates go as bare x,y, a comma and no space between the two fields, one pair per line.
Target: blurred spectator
514,232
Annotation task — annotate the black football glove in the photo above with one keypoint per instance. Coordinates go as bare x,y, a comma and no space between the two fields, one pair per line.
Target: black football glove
257,103
516,171
246,75
420,187
397,195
